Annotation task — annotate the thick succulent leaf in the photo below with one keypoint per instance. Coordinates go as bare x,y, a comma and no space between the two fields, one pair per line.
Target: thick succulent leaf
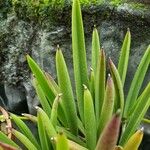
95,49
41,95
5,139
124,57
62,142
64,83
71,136
119,94
50,130
42,133
71,144
137,115
79,54
137,82
89,120
41,78
25,130
54,110
135,140
108,105
100,84
24,140
108,138
91,82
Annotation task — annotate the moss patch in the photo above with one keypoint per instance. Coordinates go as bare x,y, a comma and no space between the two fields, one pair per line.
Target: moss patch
41,10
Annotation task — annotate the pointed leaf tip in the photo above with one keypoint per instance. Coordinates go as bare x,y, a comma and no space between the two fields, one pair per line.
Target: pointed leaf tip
135,140
109,136
91,69
58,46
85,87
118,113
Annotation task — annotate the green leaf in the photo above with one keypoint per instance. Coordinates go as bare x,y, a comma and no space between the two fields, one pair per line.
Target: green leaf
137,82
54,110
92,84
42,133
46,86
52,84
79,54
100,84
43,100
24,140
50,130
41,79
145,120
81,127
30,117
64,83
119,94
71,136
95,49
25,130
124,57
108,105
5,139
62,143
137,115
89,120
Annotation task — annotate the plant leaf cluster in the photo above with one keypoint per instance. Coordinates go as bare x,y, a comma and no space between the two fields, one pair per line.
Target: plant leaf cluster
99,117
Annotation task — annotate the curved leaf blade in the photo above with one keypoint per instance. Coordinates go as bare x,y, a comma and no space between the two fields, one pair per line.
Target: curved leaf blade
108,138
42,133
108,105
24,140
89,120
137,82
95,49
119,94
41,95
79,54
62,142
25,130
124,57
68,101
137,115
134,141
41,78
100,83
50,130
5,139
